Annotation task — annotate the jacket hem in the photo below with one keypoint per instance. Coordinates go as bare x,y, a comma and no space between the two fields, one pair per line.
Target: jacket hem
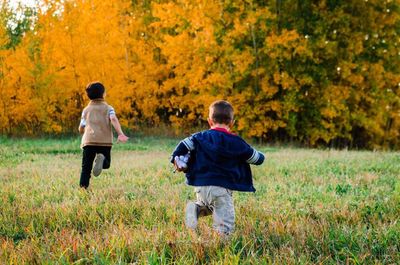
231,186
96,144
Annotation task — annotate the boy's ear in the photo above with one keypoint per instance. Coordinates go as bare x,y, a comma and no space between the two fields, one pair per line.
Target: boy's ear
210,122
232,123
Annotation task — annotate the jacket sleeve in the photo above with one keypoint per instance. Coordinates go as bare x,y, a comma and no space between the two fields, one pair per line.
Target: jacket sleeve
111,111
183,148
83,119
252,156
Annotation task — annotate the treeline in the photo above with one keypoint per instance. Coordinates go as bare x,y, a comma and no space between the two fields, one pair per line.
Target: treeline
315,72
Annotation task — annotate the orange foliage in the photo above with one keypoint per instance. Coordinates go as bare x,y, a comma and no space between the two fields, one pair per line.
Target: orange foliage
322,77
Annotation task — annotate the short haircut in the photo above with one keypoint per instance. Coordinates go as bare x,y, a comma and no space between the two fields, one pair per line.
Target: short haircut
95,90
221,112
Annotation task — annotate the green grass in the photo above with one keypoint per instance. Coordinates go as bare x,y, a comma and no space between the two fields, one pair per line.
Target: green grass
311,206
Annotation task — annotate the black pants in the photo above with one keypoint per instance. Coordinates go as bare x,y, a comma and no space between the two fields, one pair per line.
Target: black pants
88,155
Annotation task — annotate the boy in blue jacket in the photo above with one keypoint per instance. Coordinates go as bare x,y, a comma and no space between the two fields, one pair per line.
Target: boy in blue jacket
216,162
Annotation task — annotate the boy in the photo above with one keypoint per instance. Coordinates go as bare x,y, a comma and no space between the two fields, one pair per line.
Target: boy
217,163
97,137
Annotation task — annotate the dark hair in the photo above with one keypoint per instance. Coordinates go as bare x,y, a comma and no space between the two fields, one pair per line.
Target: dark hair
221,111
95,90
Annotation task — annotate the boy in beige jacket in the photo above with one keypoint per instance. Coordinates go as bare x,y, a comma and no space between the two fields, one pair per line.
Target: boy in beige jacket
97,138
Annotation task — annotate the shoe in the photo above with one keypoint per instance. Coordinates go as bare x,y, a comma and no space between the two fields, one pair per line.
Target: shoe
191,215
98,164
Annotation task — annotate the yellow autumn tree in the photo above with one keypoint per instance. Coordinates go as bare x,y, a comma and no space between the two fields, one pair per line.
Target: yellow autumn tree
320,73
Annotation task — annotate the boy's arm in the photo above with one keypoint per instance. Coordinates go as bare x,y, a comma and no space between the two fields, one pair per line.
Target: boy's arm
82,124
256,158
115,123
121,136
183,148
81,129
252,156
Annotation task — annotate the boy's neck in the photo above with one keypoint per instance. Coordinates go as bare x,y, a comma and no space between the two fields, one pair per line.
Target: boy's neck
97,99
221,126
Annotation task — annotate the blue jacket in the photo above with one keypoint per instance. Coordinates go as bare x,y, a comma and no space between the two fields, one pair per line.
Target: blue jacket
219,158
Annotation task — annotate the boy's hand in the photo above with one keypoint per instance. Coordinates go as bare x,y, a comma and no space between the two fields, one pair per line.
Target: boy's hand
122,138
180,163
177,168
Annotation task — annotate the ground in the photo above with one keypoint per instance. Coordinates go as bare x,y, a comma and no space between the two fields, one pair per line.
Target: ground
311,206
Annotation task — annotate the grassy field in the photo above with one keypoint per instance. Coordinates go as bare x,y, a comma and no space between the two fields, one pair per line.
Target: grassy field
311,206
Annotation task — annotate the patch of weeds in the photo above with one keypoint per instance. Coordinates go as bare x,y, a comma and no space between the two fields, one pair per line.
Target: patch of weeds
342,243
342,189
16,235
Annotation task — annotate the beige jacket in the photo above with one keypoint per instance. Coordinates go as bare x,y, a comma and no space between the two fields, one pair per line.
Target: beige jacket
98,125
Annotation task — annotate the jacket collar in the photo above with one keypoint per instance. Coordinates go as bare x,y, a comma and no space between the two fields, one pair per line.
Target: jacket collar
97,101
221,130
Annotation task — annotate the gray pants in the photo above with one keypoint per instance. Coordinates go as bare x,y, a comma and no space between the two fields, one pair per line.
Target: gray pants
217,201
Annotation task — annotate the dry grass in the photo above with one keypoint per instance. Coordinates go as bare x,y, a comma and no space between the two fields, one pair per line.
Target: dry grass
311,206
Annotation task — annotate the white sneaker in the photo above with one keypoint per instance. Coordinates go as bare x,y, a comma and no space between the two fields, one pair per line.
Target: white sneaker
98,164
191,215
